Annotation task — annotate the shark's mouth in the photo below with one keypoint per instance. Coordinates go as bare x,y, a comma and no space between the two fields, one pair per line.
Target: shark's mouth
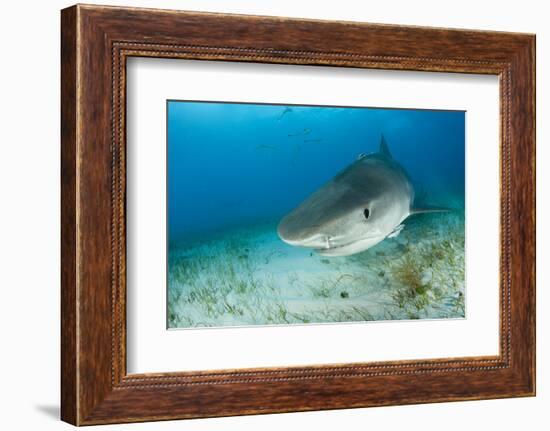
335,247
349,247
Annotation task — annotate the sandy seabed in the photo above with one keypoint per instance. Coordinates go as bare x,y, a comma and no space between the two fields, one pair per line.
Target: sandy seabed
250,277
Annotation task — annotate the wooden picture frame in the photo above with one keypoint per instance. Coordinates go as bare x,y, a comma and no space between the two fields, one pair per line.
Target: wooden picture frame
95,43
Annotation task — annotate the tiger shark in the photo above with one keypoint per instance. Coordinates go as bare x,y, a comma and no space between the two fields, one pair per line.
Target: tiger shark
358,208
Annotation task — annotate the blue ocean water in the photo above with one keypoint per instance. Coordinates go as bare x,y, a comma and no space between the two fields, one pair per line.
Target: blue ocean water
232,165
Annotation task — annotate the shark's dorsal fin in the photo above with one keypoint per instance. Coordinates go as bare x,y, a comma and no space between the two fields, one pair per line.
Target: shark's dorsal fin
384,147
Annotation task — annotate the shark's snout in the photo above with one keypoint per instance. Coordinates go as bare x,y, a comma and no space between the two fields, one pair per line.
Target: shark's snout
316,238
315,242
308,237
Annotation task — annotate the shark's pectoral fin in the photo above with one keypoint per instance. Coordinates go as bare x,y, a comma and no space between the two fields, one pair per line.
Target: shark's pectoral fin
428,209
396,231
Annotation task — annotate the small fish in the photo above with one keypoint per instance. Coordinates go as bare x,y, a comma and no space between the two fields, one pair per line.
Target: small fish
265,147
285,111
302,133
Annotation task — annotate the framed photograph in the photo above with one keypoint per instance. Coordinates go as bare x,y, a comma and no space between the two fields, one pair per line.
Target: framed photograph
264,215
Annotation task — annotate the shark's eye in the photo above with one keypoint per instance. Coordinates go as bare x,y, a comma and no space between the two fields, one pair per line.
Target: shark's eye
366,213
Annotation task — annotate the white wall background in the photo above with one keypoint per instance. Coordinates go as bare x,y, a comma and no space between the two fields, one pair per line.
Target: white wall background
29,214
